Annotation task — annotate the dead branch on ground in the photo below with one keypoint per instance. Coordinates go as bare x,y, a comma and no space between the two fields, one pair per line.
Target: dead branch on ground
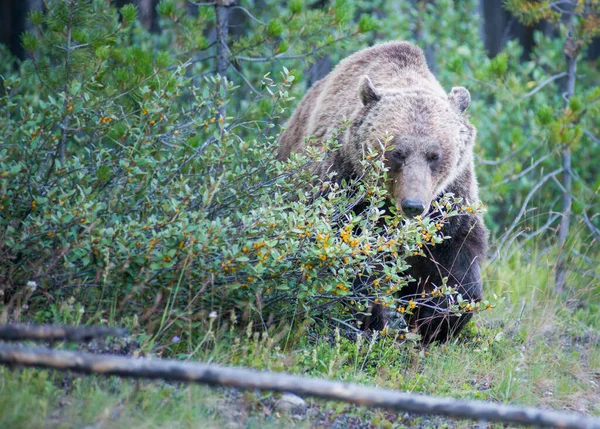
242,378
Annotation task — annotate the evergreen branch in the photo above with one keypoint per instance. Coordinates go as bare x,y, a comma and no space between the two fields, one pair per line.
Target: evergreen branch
131,89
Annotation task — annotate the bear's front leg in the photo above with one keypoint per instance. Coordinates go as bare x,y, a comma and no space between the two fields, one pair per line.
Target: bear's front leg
432,319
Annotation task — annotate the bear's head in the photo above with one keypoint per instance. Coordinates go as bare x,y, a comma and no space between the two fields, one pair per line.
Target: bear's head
432,140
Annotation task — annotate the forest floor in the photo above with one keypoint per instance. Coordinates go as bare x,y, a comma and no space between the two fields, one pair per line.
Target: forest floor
534,348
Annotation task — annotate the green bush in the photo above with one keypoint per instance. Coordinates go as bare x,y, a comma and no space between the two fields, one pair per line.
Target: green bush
124,191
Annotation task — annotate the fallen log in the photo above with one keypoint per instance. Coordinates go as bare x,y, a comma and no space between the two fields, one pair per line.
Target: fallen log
57,333
242,378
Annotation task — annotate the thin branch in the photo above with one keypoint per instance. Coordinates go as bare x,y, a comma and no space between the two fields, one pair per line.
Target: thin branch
528,236
243,378
560,186
507,157
247,12
524,172
543,84
72,48
595,231
592,137
524,205
591,262
348,325
194,60
240,74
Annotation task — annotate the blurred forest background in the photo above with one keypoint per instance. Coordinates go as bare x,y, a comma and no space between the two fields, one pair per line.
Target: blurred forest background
138,187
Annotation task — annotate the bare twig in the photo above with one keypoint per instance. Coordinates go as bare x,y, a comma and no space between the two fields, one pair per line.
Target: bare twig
524,172
544,83
507,157
528,236
592,137
515,222
240,74
215,375
595,231
247,12
348,325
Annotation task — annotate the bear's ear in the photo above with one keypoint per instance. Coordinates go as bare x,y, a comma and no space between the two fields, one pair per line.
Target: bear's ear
368,93
460,98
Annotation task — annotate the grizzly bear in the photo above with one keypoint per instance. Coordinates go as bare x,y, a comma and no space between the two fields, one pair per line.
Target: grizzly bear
388,88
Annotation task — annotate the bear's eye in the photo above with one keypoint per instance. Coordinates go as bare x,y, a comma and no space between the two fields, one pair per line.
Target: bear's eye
432,157
398,156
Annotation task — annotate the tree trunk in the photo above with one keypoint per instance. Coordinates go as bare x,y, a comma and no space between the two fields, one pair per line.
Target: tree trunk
148,15
563,233
13,21
222,17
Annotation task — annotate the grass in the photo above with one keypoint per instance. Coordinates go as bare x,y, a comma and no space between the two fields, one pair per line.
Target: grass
534,348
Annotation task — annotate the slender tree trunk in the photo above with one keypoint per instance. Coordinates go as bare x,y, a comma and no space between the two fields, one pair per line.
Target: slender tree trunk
148,16
571,51
222,16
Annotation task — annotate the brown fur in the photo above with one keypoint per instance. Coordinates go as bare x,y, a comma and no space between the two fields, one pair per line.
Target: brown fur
389,88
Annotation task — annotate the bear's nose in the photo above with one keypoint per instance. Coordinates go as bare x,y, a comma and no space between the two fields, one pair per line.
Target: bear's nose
412,208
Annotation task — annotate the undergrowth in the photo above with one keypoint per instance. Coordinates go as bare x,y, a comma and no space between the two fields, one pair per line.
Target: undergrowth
532,349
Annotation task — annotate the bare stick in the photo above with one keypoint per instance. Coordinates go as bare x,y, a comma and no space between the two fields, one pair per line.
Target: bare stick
57,333
215,375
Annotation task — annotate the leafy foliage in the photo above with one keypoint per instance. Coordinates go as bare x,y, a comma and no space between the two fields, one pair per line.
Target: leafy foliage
124,200
122,184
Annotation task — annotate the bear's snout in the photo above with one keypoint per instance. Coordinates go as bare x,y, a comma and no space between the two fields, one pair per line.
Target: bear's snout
412,208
